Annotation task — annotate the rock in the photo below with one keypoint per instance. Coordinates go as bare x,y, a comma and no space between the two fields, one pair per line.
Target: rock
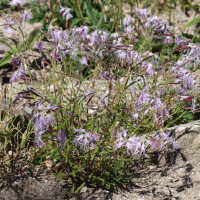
48,163
83,190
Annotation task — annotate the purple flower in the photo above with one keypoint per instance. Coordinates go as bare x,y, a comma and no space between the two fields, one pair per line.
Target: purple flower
130,29
56,34
181,39
155,23
82,48
17,98
41,124
8,29
169,140
87,93
111,77
84,140
66,12
162,141
177,40
121,54
40,106
135,115
27,16
8,22
16,2
162,110
79,130
38,139
20,72
168,40
144,98
61,138
104,35
121,138
35,115
149,69
52,107
103,102
73,52
39,44
84,61
99,37
82,31
127,21
104,74
50,120
136,145
69,113
141,12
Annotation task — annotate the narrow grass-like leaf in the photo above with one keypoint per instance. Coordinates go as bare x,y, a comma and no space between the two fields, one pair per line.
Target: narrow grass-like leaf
90,13
79,188
193,22
7,58
29,42
3,41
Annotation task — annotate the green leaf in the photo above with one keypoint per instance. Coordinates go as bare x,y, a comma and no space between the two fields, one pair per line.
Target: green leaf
29,42
107,151
38,159
7,58
60,176
15,41
3,41
90,13
189,116
68,148
193,22
74,22
76,171
87,20
96,149
188,121
191,7
53,21
79,188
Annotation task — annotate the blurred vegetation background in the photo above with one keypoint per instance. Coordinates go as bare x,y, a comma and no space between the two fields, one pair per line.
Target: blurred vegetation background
101,14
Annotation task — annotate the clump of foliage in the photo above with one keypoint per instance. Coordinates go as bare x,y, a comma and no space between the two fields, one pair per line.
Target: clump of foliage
97,14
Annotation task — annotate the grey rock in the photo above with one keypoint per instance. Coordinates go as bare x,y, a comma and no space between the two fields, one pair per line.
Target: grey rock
84,189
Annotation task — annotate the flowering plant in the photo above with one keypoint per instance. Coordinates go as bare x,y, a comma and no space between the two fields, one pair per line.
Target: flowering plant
99,132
